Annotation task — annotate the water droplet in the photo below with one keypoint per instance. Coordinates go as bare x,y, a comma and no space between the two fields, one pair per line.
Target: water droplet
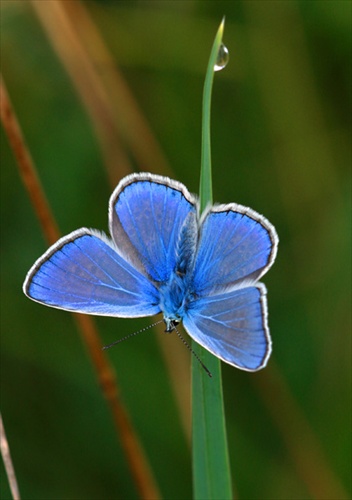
222,59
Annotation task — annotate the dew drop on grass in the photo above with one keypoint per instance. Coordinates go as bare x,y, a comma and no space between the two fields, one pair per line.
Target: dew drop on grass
222,59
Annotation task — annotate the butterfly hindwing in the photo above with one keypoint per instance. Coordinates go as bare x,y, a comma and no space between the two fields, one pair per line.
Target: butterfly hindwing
146,215
82,272
233,326
236,245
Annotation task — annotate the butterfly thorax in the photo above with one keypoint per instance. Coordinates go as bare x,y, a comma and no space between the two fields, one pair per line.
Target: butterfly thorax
175,297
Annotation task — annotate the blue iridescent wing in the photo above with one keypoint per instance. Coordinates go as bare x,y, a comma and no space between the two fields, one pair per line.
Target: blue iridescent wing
233,326
83,272
237,246
146,215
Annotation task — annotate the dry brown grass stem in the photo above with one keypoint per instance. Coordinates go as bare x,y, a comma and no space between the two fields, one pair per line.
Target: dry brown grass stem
120,124
135,131
87,82
135,456
27,170
9,468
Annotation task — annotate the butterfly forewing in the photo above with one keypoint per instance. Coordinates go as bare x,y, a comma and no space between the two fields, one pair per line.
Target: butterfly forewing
236,247
82,272
146,215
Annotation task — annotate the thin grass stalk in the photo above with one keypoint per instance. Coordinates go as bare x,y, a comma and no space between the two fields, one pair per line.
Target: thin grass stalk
134,453
211,469
9,468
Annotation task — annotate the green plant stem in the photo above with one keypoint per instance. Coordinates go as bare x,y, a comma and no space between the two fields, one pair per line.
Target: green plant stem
211,470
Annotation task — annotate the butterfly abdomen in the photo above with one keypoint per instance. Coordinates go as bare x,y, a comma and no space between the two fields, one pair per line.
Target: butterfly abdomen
186,245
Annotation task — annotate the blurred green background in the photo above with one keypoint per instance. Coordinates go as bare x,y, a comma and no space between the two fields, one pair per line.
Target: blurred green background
280,144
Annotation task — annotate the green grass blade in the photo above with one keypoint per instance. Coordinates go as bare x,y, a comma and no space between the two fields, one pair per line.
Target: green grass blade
211,470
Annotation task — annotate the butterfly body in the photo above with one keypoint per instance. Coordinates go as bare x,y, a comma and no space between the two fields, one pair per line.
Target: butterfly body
175,298
177,293
164,257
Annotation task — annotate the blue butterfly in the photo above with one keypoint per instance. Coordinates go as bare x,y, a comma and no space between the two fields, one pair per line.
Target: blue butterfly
165,258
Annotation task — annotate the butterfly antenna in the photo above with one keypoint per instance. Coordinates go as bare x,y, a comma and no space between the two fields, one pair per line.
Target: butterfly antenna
194,353
131,335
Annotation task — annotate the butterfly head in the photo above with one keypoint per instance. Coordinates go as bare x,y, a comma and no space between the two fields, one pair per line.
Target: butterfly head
170,324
